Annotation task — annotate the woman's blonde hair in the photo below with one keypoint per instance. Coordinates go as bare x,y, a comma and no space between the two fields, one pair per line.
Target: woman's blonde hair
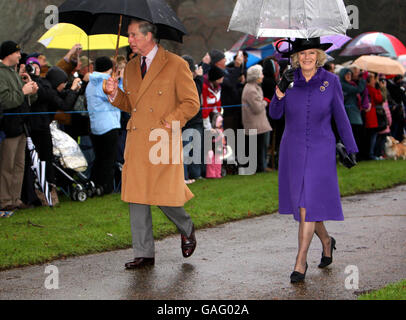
321,59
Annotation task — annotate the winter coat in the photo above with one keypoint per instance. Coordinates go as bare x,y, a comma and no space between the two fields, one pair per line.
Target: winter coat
14,101
254,109
103,116
49,100
307,159
351,91
211,102
197,120
11,94
167,93
375,96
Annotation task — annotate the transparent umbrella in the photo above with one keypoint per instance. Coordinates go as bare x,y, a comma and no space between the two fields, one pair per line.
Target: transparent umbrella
290,18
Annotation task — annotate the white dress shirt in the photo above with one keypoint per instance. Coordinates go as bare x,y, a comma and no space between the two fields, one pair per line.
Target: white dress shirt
150,56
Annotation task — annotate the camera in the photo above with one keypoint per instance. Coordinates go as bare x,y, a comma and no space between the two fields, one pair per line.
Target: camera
30,68
76,75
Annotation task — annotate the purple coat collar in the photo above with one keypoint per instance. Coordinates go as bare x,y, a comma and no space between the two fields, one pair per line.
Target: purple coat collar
301,81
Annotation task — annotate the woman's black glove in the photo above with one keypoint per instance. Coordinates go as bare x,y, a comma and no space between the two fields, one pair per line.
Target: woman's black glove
287,78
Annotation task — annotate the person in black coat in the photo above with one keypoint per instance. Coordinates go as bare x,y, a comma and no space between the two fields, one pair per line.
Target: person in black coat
268,87
397,102
52,96
195,170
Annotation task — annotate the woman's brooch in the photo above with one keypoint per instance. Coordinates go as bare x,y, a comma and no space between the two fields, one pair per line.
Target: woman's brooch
324,86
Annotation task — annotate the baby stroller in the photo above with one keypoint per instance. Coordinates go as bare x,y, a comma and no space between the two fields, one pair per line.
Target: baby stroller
70,163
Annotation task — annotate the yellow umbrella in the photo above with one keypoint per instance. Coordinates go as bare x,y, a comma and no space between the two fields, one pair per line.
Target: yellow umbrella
380,64
66,35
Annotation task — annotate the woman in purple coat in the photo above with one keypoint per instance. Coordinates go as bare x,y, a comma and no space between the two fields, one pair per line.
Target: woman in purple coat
308,184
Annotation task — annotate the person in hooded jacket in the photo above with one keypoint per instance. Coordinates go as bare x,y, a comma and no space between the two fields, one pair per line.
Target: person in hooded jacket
52,96
351,90
104,125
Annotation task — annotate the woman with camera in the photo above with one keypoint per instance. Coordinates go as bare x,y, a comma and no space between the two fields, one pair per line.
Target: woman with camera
52,96
308,183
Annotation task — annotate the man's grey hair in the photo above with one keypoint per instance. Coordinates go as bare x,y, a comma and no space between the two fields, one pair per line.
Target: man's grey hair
145,27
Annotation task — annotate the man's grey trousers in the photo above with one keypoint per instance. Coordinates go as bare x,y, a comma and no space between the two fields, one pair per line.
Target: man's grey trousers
141,227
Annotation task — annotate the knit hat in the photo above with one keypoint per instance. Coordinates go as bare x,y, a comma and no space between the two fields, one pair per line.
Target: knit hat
7,48
33,60
254,73
56,76
215,73
103,64
190,61
216,56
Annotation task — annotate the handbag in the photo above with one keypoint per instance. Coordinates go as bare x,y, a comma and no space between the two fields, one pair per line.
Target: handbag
344,157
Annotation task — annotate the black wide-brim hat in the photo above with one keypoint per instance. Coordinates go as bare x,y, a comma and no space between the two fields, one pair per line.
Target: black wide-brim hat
303,44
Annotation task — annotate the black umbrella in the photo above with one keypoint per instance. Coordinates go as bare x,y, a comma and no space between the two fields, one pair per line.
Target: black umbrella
103,16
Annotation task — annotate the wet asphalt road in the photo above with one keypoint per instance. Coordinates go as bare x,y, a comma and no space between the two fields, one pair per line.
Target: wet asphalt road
248,259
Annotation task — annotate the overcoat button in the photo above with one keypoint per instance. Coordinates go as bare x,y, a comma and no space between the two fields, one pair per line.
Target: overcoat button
160,92
135,109
151,110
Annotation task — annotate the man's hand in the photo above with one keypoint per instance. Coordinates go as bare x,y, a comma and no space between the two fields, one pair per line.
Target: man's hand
287,78
239,59
25,77
76,84
74,52
30,88
112,88
167,124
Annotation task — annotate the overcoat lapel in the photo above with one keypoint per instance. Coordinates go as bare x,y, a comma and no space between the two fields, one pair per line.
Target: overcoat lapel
156,66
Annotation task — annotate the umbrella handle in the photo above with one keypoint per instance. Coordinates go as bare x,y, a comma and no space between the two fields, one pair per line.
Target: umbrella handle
114,74
278,43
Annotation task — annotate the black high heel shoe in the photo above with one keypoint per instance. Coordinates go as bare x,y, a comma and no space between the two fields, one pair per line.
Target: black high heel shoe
297,276
325,261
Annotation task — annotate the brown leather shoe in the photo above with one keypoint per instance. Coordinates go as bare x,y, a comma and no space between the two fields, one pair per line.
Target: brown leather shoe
188,244
140,263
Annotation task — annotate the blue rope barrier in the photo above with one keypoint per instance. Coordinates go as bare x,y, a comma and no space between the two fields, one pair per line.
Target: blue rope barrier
86,111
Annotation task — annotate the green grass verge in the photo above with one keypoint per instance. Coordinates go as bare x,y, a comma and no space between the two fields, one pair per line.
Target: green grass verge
395,291
101,224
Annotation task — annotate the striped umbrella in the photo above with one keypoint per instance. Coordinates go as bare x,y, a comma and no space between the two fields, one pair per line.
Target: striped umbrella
38,167
390,43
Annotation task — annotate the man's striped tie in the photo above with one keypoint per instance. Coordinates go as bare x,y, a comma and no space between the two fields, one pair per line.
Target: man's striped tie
143,67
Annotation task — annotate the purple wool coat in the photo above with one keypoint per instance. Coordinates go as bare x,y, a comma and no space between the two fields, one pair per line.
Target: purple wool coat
307,156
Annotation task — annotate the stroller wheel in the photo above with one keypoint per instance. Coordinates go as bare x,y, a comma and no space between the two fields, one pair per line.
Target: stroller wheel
81,196
74,195
99,191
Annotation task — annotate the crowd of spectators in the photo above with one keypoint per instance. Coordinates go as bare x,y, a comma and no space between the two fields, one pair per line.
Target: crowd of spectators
233,97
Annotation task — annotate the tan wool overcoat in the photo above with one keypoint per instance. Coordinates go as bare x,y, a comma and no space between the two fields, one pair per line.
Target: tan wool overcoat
153,169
